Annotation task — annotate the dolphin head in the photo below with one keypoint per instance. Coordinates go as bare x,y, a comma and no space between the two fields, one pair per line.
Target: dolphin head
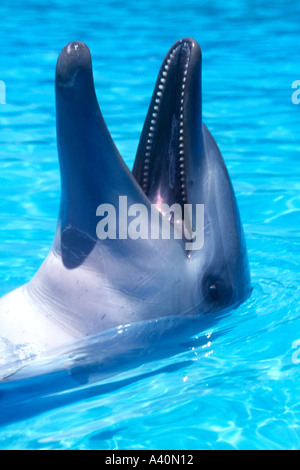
178,162
90,283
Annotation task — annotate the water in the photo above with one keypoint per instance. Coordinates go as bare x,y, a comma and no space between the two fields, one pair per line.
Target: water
235,384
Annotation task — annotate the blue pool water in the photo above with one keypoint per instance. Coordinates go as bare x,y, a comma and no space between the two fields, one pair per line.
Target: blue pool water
235,384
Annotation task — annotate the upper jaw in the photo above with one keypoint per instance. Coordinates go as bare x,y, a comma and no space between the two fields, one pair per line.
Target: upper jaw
171,141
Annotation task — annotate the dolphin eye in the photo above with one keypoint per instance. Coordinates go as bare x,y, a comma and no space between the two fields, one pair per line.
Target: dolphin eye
218,291
213,292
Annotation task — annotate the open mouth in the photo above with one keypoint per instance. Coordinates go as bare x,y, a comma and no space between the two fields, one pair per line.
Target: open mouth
93,172
170,145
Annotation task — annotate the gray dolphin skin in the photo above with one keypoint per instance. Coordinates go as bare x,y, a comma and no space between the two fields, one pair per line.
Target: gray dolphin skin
87,284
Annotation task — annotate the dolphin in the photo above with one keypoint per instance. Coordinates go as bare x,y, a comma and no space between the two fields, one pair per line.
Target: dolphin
90,283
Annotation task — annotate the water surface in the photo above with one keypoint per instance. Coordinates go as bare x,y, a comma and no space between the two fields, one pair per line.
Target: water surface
234,384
